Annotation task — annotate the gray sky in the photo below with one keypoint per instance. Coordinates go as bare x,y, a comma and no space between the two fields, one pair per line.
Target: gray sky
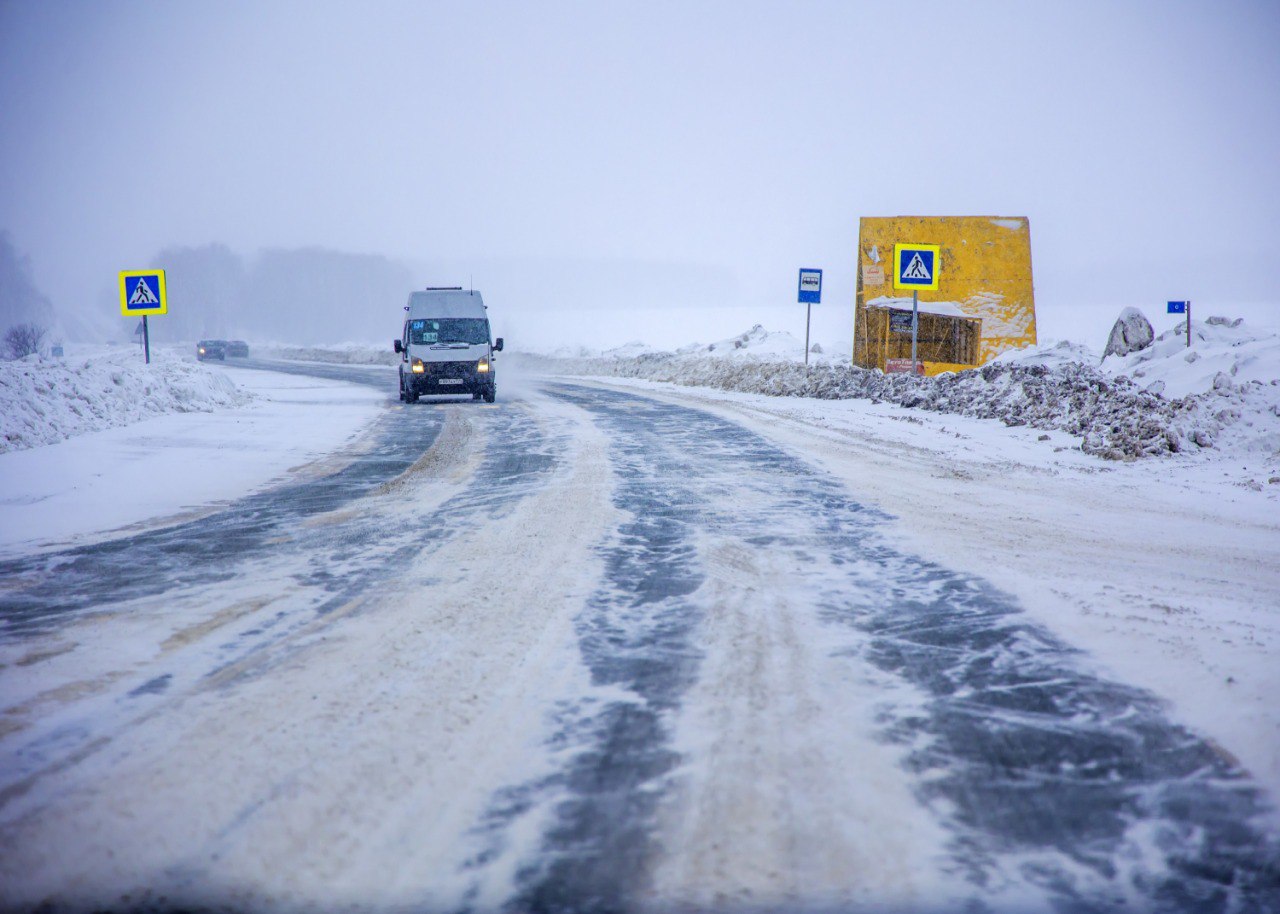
652,170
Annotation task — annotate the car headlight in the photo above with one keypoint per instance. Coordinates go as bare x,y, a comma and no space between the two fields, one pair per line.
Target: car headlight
418,367
482,365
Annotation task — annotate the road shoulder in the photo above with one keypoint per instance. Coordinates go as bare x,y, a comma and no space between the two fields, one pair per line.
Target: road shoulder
172,467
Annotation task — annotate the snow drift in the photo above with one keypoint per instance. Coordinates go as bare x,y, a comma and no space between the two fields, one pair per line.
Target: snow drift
46,400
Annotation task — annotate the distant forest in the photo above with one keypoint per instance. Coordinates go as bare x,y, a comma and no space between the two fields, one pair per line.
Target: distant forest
304,296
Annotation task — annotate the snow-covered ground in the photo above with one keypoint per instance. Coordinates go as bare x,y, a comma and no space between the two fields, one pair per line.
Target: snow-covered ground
1164,573
1223,394
1167,572
100,474
44,399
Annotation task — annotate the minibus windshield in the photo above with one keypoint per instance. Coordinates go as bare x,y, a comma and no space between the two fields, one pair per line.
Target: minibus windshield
470,330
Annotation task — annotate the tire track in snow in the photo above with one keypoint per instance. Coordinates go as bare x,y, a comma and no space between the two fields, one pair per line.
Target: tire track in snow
43,589
634,639
340,561
352,772
1058,790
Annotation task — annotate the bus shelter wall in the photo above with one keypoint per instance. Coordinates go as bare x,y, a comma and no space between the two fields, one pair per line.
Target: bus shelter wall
985,266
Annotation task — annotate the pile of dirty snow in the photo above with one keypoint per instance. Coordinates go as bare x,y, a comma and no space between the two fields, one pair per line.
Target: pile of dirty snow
1231,371
46,400
1117,410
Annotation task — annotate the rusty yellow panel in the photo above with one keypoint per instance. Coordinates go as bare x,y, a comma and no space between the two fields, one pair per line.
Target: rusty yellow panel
985,271
936,368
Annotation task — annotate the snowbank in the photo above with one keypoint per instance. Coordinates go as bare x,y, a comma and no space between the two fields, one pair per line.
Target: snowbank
1219,346
758,343
46,400
774,345
347,354
1229,392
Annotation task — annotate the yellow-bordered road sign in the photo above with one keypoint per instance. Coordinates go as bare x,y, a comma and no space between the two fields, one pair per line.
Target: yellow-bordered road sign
142,292
916,266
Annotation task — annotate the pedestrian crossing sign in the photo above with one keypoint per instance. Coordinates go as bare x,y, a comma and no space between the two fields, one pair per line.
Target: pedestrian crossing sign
916,266
142,292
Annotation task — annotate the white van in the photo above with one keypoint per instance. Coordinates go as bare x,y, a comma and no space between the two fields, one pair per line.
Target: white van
446,347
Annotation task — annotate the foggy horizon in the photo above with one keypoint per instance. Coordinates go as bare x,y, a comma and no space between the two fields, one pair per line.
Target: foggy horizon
652,172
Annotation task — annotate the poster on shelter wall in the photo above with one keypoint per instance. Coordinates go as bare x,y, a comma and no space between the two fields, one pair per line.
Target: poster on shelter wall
986,273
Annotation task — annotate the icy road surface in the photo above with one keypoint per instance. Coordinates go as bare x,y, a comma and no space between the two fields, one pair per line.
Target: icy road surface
585,649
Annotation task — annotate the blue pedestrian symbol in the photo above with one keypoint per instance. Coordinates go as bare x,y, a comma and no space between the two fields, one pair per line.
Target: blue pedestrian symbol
920,267
140,293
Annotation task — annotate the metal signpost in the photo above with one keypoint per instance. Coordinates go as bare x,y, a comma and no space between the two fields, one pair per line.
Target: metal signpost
810,295
1183,307
143,292
916,267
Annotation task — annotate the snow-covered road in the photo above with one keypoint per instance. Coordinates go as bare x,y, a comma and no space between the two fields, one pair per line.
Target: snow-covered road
589,648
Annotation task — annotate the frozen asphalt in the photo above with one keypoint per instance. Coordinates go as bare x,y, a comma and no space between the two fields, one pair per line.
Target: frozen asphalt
1046,787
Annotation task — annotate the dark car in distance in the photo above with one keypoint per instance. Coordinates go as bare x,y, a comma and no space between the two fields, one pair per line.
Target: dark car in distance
211,349
237,349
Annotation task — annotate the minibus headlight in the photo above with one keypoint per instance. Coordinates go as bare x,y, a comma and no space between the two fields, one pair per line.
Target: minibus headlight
482,365
418,367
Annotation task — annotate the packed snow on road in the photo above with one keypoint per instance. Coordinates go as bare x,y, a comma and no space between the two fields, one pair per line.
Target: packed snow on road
697,630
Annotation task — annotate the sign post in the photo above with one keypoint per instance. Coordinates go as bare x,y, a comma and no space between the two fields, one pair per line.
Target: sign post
1183,307
810,294
143,292
916,267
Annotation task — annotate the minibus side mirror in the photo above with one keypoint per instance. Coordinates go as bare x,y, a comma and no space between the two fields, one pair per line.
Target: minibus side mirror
497,346
397,346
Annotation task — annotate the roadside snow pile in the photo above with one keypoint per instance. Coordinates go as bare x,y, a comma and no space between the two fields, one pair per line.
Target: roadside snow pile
631,350
1230,375
1219,346
1061,387
360,354
44,400
760,343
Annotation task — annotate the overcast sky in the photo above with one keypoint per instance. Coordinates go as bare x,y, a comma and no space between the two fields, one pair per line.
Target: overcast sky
712,147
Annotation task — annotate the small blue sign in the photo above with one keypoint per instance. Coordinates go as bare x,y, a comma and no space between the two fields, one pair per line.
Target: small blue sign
810,286
1178,307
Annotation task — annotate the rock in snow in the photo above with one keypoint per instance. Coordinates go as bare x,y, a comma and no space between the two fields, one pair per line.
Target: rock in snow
1132,332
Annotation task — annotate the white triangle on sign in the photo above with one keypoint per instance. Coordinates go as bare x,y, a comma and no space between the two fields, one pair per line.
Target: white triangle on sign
142,294
916,268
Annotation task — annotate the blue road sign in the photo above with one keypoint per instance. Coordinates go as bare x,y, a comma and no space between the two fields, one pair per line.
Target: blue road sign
1177,307
810,286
